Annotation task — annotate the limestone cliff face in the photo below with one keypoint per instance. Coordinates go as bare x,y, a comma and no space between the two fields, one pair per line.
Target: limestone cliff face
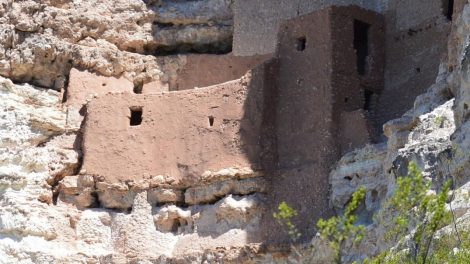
42,40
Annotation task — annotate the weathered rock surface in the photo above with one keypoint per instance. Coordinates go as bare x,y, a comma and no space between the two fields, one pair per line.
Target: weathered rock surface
40,41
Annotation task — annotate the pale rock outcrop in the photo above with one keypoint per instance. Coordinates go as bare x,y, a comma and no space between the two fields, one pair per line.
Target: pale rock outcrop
422,135
362,167
165,195
29,116
459,79
210,193
134,235
34,151
40,41
425,140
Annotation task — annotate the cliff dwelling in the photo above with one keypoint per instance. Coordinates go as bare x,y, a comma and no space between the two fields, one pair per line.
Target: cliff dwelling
182,129
269,125
276,121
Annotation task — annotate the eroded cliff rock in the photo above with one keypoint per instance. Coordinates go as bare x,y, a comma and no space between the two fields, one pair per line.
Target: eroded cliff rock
42,40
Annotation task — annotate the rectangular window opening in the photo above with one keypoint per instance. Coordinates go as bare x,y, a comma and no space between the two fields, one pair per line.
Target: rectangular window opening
448,9
301,43
211,121
361,45
368,97
136,116
138,87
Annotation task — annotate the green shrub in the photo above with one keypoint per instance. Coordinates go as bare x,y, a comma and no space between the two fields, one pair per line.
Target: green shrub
417,214
284,217
452,248
342,231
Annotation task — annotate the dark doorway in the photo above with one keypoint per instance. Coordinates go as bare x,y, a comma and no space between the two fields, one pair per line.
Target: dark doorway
361,45
368,97
448,9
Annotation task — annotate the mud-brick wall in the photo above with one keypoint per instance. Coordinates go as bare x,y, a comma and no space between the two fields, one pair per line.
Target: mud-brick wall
256,22
205,70
179,134
304,119
311,104
416,33
358,44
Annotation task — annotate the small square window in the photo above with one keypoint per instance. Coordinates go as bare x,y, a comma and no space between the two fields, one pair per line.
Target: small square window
136,116
301,43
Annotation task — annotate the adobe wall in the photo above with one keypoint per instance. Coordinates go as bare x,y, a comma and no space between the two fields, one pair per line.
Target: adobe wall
84,85
353,136
182,134
358,65
206,70
304,119
313,82
416,32
256,22
287,117
195,70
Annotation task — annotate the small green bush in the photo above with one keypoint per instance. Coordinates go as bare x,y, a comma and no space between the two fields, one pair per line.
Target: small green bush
284,217
452,248
417,214
342,231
